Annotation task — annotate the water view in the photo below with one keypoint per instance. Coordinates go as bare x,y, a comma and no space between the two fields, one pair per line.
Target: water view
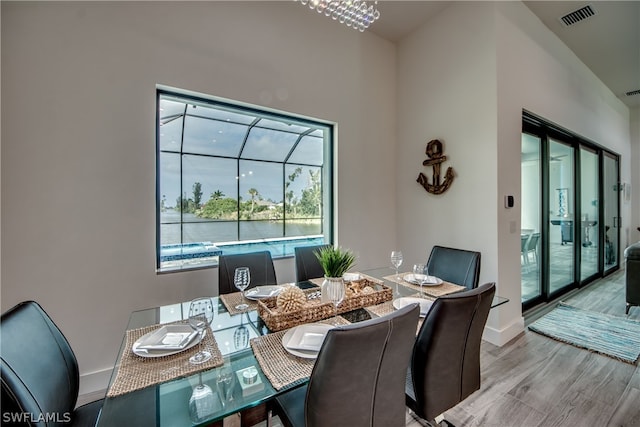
229,237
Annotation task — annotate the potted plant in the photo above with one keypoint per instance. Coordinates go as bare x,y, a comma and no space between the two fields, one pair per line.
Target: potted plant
335,261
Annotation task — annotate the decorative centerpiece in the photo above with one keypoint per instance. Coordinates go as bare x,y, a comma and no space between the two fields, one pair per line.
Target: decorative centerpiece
294,307
334,261
291,298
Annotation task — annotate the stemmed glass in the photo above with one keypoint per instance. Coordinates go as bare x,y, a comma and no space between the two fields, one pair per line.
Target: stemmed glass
396,261
201,403
421,275
241,280
335,290
200,316
241,336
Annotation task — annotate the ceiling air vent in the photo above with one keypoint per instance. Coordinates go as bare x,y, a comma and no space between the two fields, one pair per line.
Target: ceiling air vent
633,92
578,15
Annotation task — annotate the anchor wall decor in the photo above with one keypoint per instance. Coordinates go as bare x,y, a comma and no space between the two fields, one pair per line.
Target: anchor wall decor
434,151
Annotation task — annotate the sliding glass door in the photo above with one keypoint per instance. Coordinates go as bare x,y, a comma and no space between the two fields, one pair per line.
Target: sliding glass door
570,224
611,196
589,212
530,224
561,193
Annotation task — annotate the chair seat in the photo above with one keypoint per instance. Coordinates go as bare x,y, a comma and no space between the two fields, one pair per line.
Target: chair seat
292,405
87,415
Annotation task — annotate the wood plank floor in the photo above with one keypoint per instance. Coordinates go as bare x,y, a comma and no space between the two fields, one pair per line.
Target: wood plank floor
534,381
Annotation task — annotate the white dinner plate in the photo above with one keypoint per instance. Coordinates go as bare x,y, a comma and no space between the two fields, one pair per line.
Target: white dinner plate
432,280
425,304
164,341
305,340
260,292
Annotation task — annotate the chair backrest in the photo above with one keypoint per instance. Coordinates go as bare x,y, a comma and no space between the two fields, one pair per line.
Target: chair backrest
457,266
39,370
359,376
260,266
533,242
524,239
445,365
307,265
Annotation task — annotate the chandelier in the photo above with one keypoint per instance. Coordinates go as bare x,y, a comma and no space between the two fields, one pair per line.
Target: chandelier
356,14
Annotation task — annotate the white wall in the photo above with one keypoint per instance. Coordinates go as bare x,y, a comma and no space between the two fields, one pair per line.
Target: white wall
538,73
447,91
78,161
465,77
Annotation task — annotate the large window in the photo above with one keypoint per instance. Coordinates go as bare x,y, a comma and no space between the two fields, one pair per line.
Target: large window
233,179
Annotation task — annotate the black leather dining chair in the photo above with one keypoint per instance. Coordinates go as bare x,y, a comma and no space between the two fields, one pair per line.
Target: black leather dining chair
260,267
445,365
458,266
40,378
358,378
307,265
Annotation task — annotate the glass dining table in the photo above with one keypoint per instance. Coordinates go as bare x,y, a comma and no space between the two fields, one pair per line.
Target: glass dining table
167,403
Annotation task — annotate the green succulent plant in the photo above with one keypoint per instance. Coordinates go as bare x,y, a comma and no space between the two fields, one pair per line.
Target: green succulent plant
335,261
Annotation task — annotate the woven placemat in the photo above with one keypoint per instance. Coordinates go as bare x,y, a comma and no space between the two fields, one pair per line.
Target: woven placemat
231,300
445,288
382,309
278,365
136,373
387,308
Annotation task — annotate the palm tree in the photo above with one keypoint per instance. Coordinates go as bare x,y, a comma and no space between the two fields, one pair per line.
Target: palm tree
253,193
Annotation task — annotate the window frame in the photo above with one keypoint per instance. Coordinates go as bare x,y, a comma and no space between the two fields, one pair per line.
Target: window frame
326,168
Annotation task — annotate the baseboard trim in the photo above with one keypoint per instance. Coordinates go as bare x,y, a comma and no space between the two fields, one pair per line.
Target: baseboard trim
502,336
94,382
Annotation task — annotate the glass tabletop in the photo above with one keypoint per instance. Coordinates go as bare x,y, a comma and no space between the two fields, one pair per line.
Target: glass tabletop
405,291
167,404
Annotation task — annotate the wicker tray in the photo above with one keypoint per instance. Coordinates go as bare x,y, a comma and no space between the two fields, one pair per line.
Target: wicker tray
315,309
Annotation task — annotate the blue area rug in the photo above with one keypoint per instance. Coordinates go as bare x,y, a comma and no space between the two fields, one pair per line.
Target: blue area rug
612,336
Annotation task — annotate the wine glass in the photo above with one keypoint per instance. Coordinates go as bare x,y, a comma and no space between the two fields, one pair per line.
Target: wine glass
241,336
396,261
200,316
335,291
201,403
241,279
421,275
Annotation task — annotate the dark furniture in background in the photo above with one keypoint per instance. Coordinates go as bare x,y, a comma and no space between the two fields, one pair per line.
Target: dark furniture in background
458,266
445,366
358,378
307,265
632,276
260,266
40,375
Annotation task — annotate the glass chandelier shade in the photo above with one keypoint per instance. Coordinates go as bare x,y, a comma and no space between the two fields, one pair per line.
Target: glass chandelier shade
357,14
